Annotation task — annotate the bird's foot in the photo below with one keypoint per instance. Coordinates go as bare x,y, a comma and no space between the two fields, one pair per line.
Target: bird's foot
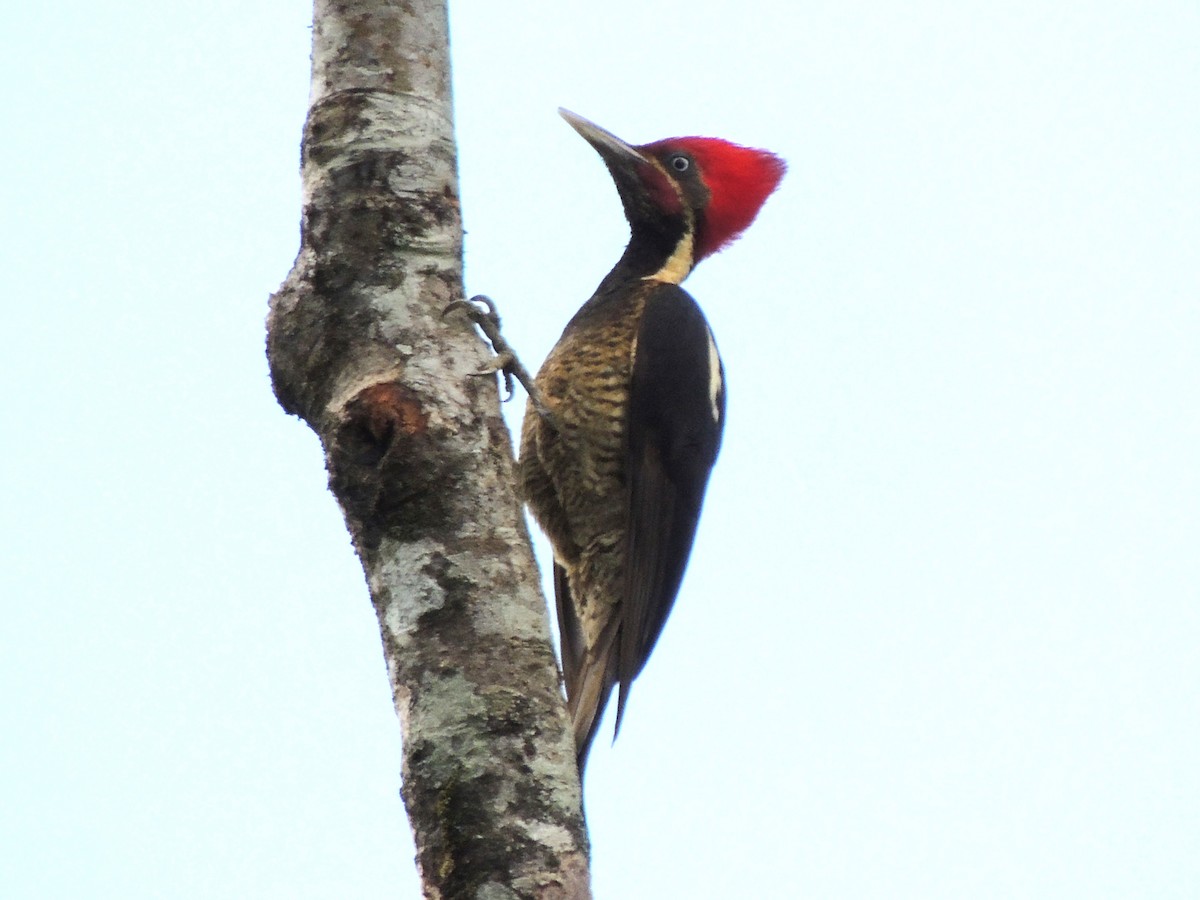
482,311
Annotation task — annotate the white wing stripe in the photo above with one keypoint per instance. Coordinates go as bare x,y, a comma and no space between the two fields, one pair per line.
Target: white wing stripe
714,377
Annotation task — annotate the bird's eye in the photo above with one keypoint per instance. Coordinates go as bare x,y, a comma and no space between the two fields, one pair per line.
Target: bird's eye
680,163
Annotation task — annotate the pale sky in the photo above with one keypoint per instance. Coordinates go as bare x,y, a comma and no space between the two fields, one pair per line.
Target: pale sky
939,634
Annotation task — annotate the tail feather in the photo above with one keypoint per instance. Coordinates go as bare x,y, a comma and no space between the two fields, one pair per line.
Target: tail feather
594,683
588,672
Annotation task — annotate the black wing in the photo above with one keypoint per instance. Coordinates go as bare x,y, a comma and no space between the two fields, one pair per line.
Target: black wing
676,413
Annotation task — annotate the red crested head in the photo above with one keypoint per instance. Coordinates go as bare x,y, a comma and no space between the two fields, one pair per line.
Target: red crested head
685,198
738,179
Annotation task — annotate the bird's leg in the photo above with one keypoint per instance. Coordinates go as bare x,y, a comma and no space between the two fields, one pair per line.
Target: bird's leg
482,311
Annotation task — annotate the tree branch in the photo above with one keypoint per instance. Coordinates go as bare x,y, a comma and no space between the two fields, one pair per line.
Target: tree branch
420,460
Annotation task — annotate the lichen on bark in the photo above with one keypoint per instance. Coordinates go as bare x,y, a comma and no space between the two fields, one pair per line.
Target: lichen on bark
421,463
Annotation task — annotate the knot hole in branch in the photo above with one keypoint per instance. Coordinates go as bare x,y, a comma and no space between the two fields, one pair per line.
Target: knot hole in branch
386,469
376,418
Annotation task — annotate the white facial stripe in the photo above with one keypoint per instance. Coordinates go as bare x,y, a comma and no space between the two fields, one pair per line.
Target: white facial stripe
714,378
676,268
683,259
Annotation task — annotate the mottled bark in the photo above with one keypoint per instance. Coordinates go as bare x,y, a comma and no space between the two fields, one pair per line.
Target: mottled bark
421,462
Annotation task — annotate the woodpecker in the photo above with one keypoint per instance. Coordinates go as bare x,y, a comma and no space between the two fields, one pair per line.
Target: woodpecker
617,447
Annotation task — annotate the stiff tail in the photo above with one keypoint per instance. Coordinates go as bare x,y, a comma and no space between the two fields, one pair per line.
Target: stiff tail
587,706
589,673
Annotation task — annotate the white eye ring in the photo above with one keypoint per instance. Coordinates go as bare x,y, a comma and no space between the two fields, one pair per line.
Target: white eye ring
680,163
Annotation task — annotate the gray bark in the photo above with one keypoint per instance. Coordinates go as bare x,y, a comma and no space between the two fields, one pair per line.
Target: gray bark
421,462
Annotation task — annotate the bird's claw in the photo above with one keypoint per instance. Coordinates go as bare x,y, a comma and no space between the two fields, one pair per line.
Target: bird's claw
482,311
502,363
474,313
